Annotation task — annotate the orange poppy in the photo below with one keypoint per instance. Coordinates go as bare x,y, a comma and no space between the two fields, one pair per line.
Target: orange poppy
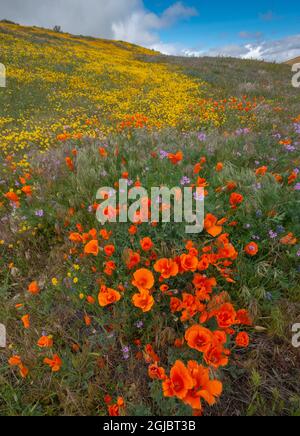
231,186
102,152
114,410
243,317
108,296
105,234
188,262
109,250
289,239
143,279
175,305
75,237
26,321
146,244
204,263
242,340
292,177
179,383
216,356
164,288
228,252
236,199
132,230
143,300
92,247
69,163
27,190
197,168
167,268
133,259
87,320
15,361
93,234
11,196
156,372
278,178
150,355
175,158
178,343
33,288
261,171
24,371
219,167
252,249
90,299
45,342
55,363
199,338
226,316
211,225
204,388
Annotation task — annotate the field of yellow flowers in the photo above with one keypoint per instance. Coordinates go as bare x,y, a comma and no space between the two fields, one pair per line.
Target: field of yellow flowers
142,318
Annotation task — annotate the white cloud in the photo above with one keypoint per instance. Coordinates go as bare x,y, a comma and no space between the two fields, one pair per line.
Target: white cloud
88,17
127,20
278,50
141,26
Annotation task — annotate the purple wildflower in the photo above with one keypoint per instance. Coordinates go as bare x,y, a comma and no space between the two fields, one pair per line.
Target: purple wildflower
139,324
39,213
297,128
272,234
185,181
202,137
290,148
163,154
126,353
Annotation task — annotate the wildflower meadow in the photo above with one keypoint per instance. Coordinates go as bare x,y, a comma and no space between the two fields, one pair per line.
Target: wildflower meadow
141,318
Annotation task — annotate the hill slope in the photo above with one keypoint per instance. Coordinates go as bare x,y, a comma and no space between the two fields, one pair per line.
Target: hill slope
54,79
293,61
58,79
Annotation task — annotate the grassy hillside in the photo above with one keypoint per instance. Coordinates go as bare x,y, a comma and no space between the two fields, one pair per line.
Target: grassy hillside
293,61
98,321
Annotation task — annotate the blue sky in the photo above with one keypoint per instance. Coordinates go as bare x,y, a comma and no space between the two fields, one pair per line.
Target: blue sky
263,29
220,23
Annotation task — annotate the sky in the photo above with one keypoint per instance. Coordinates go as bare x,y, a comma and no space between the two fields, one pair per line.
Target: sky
261,29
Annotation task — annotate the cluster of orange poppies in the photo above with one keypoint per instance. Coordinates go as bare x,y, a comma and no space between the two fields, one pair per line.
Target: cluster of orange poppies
199,305
200,308
25,189
115,409
44,342
136,121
